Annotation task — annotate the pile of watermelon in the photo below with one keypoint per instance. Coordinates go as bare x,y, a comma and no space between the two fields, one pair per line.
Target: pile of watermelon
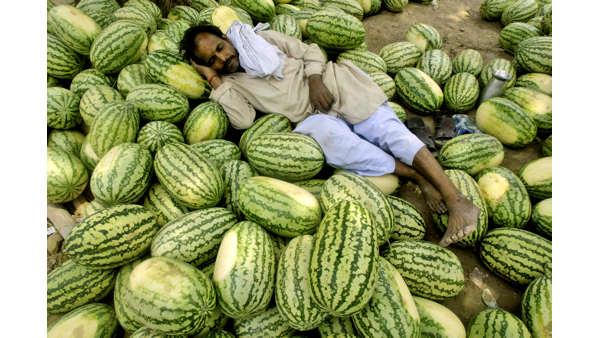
193,230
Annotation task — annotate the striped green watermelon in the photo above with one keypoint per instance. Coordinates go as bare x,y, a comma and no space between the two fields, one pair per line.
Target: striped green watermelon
139,16
308,4
547,146
118,45
536,307
335,30
461,92
368,61
542,217
408,222
184,13
385,82
537,105
260,10
130,77
94,99
371,7
514,33
115,123
158,102
99,10
194,237
346,185
437,64
88,156
468,61
487,73
292,289
145,332
268,323
418,90
285,8
496,323
112,237
52,82
429,270
92,320
352,7
398,55
424,36
286,24
123,313
224,16
72,285
206,122
168,67
89,208
160,40
471,153
337,327
156,134
163,205
151,286
234,173
279,244
391,312
147,6
219,151
437,320
192,179
505,196
467,186
62,108
395,5
538,81
265,124
62,61
519,11
547,22
515,254
301,18
280,207
244,275
122,175
537,176
73,27
491,10
400,112
86,79
537,22
215,321
66,177
344,261
175,30
304,157
534,54
506,121
67,140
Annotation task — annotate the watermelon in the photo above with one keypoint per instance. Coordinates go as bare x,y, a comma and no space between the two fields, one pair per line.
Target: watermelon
468,61
547,146
387,183
279,244
163,205
537,22
516,255
424,36
400,112
487,73
398,55
156,134
461,92
139,16
119,44
219,151
158,102
92,320
86,79
519,11
408,222
115,123
437,320
112,237
547,22
437,64
67,140
145,332
429,270
534,54
265,324
206,122
203,4
88,156
52,82
286,24
337,327
335,30
160,40
62,61
536,307
265,124
494,323
194,237
216,321
122,312
94,99
234,173
260,10
99,10
150,286
244,275
71,285
66,177
301,18
73,27
385,82
62,108
192,179
471,153
352,7
537,105
368,61
538,81
419,91
88,208
391,312
344,261
491,10
176,30
537,176
224,16
467,186
514,33
147,6
185,13
169,68
506,121
395,5
505,196
280,207
292,289
122,175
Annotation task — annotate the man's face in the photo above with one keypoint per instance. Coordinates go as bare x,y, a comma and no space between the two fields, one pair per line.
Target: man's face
216,53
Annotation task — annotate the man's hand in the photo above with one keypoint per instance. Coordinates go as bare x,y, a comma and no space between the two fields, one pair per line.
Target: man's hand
209,74
320,96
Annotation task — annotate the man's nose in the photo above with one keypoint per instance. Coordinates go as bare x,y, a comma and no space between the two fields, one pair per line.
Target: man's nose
222,56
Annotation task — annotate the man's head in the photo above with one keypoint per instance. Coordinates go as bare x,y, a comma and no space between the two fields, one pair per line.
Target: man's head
206,45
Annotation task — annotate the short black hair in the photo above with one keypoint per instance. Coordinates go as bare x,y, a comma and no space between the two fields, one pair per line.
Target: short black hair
187,44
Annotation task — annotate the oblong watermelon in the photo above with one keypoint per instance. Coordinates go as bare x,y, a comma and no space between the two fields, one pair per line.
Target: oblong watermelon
118,45
471,153
506,121
93,320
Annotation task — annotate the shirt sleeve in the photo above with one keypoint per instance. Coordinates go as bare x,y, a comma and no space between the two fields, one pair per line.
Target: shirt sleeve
240,112
314,60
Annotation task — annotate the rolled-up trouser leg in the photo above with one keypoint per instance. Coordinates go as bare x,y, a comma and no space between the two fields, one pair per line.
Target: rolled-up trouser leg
344,149
384,129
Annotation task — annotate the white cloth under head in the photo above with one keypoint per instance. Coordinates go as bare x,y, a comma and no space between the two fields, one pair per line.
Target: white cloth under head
258,57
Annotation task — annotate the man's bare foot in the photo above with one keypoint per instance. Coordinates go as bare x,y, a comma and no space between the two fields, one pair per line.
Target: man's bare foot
433,198
462,220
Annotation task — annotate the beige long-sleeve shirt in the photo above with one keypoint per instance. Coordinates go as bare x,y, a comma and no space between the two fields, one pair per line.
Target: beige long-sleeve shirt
356,96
